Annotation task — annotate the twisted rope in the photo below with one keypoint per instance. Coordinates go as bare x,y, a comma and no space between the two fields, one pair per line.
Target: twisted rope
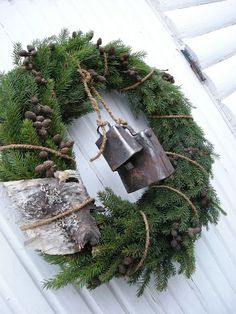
105,64
180,193
59,216
35,147
175,116
188,159
86,78
147,242
117,120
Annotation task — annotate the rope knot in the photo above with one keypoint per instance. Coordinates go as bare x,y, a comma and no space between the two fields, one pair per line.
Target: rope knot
101,122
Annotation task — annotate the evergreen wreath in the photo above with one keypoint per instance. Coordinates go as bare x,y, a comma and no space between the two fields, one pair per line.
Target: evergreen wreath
156,235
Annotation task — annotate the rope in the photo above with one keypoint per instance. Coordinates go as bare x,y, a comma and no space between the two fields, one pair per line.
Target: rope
86,78
59,216
171,116
35,147
147,241
188,159
125,89
180,193
105,64
117,120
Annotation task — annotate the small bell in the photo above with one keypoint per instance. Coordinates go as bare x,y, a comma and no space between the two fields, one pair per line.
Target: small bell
139,158
120,146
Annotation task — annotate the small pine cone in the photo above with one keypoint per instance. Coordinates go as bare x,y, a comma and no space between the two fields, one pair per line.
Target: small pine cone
122,269
174,243
167,77
125,56
175,225
34,100
132,73
101,78
39,169
38,79
43,154
138,78
48,164
70,144
52,47
40,118
178,247
49,173
30,115
204,203
38,125
26,61
204,192
23,53
197,230
92,72
124,64
44,82
111,51
63,144
46,123
46,109
38,109
90,35
33,53
95,281
57,139
30,48
65,150
179,238
99,42
127,260
35,73
174,233
43,132
190,232
74,34
101,50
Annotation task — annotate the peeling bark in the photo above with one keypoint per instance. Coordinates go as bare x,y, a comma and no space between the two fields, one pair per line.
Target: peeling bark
38,199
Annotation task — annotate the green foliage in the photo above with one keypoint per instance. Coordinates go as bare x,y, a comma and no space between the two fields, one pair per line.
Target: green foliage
122,227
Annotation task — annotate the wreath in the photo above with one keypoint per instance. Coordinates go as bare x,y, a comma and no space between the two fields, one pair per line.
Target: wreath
62,78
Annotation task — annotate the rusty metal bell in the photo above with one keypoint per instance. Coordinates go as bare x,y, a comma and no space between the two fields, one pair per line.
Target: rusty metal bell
149,166
138,157
120,146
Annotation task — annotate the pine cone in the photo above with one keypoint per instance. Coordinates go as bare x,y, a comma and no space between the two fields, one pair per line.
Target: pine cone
43,154
57,139
40,118
30,115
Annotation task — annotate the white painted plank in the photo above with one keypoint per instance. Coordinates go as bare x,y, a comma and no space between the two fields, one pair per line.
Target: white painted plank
113,20
179,4
194,21
215,46
230,103
221,77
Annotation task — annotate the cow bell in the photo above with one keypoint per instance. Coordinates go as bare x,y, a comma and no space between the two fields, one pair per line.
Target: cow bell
120,146
139,158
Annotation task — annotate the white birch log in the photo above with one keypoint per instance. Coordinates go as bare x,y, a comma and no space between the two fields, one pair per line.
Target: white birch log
38,199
